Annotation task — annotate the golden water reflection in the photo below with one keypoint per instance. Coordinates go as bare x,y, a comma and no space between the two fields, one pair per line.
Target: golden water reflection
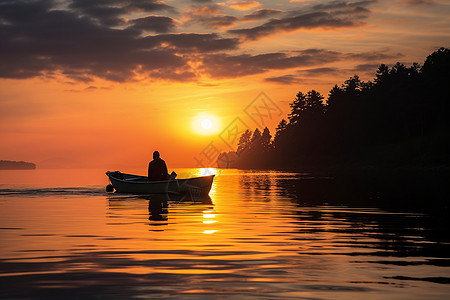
256,235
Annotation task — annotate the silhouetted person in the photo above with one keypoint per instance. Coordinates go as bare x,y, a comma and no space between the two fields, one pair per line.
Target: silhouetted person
157,209
157,169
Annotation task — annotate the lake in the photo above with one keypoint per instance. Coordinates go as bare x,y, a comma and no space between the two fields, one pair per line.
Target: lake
260,235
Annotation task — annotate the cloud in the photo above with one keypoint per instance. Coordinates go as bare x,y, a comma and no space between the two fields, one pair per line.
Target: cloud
153,23
285,79
319,71
374,55
262,13
217,21
223,65
305,75
109,12
417,2
205,10
306,58
301,75
39,40
366,68
188,42
241,5
209,16
339,7
337,14
77,76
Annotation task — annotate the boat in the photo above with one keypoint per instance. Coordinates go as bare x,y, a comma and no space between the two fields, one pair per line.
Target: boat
136,184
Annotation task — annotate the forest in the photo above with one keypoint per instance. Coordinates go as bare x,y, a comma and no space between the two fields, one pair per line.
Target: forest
400,119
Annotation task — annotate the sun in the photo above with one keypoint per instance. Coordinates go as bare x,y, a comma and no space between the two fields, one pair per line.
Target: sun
205,124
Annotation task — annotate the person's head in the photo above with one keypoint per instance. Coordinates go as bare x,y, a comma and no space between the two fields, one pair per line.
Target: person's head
155,155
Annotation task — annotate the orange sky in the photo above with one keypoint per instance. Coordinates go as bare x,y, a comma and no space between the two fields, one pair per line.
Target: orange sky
86,85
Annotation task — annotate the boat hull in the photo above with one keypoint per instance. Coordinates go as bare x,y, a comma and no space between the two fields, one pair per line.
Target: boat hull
135,184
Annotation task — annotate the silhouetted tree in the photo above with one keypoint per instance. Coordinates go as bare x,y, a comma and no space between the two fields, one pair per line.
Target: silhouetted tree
436,73
399,118
297,107
244,141
281,127
266,140
314,103
256,138
280,143
436,77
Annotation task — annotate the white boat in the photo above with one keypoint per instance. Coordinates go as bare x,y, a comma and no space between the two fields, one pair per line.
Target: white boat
136,184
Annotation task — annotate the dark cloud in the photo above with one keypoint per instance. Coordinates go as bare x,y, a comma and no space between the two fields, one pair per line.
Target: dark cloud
338,7
77,76
366,68
188,42
300,75
319,71
177,76
153,23
110,12
50,41
241,65
374,56
337,14
223,65
108,16
285,79
418,2
40,39
306,75
215,21
260,14
23,12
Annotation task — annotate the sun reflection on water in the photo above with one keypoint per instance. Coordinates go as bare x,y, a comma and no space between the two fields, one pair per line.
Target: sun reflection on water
209,215
254,236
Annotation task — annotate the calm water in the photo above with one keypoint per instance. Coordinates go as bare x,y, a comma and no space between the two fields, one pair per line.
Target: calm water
260,235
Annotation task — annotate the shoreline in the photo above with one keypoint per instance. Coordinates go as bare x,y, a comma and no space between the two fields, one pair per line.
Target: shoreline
16,165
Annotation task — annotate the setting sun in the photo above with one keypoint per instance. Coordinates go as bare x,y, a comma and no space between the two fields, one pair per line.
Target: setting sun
206,124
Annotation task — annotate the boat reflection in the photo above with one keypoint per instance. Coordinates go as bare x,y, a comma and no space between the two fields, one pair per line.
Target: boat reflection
158,204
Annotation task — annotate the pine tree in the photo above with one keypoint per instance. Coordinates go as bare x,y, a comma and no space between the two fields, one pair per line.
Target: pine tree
244,141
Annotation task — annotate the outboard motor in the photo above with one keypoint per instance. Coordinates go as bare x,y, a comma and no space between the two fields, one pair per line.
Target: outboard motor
109,188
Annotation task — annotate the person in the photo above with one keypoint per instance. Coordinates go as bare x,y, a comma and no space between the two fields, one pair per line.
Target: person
157,168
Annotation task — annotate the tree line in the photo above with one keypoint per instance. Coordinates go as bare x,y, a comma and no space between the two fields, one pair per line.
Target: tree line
399,119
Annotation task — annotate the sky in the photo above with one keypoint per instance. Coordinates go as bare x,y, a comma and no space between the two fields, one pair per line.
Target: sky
104,83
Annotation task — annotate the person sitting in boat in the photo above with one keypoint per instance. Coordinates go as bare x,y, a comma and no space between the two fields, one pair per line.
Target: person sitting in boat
157,168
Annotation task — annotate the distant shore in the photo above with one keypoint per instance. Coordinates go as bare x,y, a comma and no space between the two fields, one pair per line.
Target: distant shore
16,165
